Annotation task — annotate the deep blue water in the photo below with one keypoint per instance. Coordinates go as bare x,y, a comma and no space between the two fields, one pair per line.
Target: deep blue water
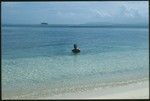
21,42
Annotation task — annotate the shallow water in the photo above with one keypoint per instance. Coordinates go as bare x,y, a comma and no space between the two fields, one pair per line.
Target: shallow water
36,59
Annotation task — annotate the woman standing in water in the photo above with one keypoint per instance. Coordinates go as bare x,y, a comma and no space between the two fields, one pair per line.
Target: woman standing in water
75,50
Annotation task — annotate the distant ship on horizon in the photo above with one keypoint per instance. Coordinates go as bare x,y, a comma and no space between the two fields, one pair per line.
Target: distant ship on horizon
44,23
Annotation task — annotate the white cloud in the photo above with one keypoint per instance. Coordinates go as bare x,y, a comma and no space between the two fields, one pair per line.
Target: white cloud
101,13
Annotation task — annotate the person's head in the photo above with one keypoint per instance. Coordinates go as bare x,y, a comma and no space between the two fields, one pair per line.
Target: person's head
75,46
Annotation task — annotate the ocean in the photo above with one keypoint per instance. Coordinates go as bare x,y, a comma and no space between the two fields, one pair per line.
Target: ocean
38,61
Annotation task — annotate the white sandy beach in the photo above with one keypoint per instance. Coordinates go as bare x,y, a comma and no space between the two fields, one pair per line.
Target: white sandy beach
139,90
134,90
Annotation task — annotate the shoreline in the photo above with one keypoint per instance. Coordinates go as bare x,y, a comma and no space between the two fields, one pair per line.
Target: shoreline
134,89
139,90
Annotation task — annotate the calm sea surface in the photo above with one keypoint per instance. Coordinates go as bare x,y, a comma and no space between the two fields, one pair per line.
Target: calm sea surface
37,61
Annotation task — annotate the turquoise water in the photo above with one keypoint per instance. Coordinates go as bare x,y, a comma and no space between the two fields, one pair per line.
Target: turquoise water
37,61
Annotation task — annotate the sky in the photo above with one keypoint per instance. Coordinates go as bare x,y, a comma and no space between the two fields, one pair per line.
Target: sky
75,12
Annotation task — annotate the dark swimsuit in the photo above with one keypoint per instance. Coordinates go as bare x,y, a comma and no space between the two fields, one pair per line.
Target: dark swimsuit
76,50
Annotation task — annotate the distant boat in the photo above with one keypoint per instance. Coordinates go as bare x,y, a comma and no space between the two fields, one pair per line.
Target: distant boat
44,23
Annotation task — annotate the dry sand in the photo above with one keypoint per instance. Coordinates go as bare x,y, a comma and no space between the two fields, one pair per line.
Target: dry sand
139,90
